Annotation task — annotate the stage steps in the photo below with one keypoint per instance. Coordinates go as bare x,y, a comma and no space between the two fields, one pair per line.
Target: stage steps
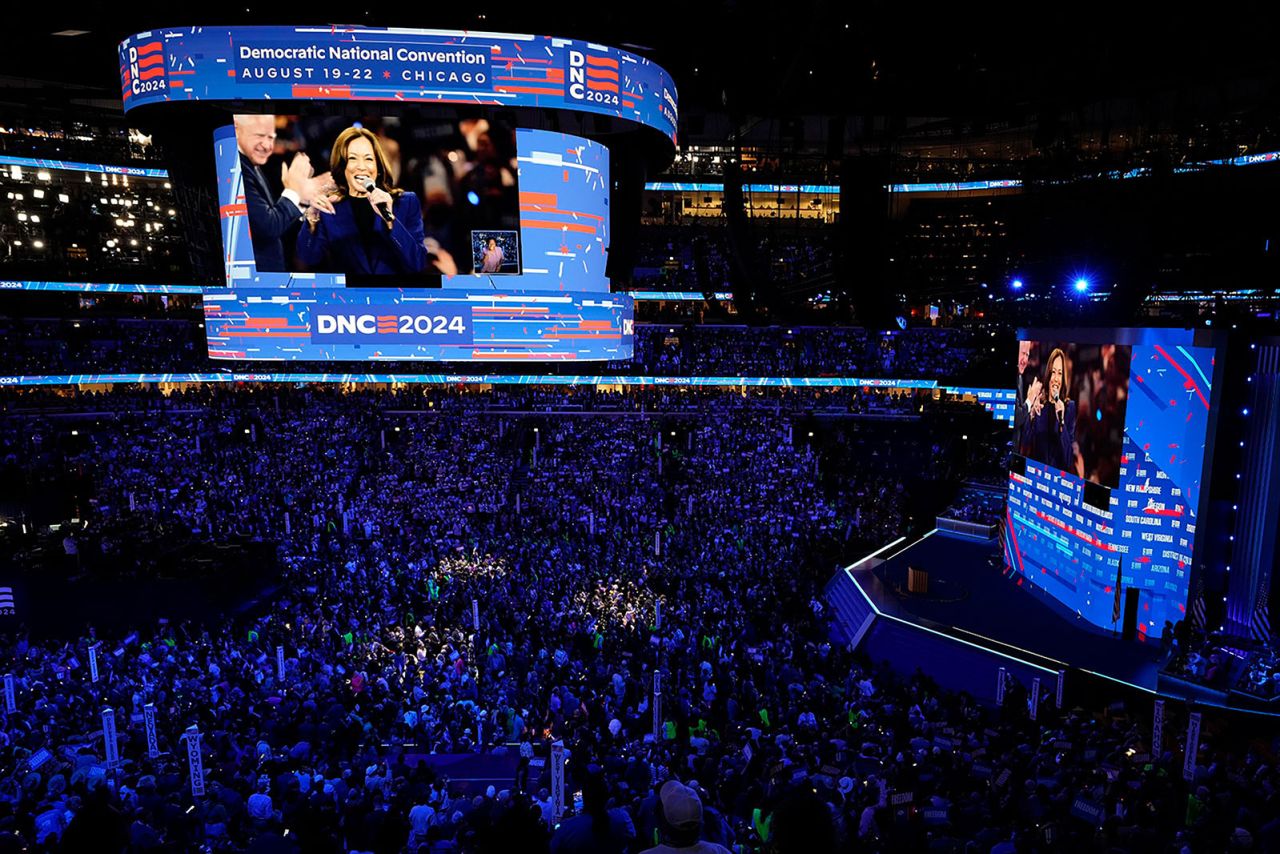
853,613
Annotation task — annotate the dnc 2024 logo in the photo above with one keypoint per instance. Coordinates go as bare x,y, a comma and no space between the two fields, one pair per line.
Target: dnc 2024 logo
591,79
146,68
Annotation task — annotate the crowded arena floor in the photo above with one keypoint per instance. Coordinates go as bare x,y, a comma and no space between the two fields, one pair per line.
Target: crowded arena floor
566,531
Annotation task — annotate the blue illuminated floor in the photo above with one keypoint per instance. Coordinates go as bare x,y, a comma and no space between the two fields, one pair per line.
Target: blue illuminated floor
994,608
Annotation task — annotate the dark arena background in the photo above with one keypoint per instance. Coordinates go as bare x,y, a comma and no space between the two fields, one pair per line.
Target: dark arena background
716,428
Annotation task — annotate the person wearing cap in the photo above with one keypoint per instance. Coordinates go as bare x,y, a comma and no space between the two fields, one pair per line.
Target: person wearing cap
680,823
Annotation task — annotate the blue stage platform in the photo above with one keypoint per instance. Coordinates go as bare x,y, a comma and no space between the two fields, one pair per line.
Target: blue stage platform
975,619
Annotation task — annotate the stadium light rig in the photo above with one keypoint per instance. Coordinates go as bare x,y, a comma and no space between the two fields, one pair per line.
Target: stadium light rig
1082,285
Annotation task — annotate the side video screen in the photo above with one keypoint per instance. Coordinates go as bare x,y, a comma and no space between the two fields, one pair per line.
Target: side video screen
1134,415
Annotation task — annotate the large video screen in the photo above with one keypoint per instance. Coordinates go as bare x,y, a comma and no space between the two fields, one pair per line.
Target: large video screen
404,235
376,197
1071,406
1072,538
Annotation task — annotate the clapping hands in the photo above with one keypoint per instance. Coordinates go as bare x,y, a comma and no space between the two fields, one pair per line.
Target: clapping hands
1035,397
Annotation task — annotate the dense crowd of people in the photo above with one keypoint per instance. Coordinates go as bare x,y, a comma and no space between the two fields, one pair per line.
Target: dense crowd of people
41,346
697,258
79,135
978,504
871,401
100,344
567,531
924,353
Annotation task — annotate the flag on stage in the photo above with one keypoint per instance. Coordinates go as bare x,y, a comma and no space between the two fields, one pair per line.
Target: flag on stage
1260,620
1115,606
1198,617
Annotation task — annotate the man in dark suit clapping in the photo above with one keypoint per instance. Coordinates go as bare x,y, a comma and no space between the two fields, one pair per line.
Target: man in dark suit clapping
1029,389
270,220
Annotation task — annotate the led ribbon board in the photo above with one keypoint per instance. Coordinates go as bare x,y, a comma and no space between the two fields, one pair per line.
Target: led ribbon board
392,64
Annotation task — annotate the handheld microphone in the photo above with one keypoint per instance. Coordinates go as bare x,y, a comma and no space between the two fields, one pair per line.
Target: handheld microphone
383,209
1061,425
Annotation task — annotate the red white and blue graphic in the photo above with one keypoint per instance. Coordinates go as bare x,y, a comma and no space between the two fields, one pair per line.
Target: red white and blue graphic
591,77
564,211
400,324
1072,550
392,64
142,69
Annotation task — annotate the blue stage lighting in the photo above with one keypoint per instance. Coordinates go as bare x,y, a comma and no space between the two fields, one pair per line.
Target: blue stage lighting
1017,284
1082,285
473,197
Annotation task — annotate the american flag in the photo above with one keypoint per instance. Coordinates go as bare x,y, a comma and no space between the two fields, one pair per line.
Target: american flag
1115,606
6,600
1260,621
1198,619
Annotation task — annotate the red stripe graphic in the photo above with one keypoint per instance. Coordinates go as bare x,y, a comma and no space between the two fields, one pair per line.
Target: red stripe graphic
602,60
600,86
1063,526
321,91
602,73
148,47
152,59
568,226
542,209
238,334
1190,382
524,309
477,354
524,80
150,72
531,90
497,57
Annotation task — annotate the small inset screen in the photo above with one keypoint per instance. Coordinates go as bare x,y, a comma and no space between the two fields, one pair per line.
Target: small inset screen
496,252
